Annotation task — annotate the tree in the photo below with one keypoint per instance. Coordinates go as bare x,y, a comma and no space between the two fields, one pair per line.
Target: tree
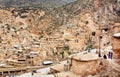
89,46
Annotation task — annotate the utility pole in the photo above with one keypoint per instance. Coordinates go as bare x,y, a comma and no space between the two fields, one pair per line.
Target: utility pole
100,37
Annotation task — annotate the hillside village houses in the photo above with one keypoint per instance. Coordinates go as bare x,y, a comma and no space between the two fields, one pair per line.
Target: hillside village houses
28,43
70,35
71,67
75,39
30,49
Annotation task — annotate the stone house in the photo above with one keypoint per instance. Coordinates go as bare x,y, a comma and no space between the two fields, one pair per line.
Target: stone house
86,63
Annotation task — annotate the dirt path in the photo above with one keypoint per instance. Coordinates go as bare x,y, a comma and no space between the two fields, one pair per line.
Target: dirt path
114,65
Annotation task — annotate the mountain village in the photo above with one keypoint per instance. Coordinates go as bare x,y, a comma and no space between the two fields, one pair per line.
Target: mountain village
35,44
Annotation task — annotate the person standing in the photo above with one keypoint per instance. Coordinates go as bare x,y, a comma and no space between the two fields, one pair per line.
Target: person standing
105,57
109,55
89,49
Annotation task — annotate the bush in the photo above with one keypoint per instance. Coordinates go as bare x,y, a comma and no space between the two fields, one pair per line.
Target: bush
89,46
93,33
66,47
62,53
69,53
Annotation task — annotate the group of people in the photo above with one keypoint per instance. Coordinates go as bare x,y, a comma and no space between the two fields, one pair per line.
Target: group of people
110,55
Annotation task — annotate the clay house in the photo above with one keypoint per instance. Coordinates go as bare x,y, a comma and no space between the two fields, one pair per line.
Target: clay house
50,38
19,62
57,68
30,57
82,63
33,54
37,43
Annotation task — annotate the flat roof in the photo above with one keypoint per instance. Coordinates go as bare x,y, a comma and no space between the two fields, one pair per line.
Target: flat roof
44,70
86,57
47,62
67,74
116,35
40,73
58,67
36,75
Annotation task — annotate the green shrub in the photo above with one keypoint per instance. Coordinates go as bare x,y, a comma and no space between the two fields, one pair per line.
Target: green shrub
89,46
66,47
69,53
62,53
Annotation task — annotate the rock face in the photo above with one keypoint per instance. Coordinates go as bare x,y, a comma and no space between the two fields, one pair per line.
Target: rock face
116,42
116,48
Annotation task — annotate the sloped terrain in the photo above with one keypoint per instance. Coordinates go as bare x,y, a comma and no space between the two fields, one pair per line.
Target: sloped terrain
58,33
46,4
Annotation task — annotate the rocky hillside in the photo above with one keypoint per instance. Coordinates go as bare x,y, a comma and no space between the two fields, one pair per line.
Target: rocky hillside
46,4
89,14
99,11
58,33
102,11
